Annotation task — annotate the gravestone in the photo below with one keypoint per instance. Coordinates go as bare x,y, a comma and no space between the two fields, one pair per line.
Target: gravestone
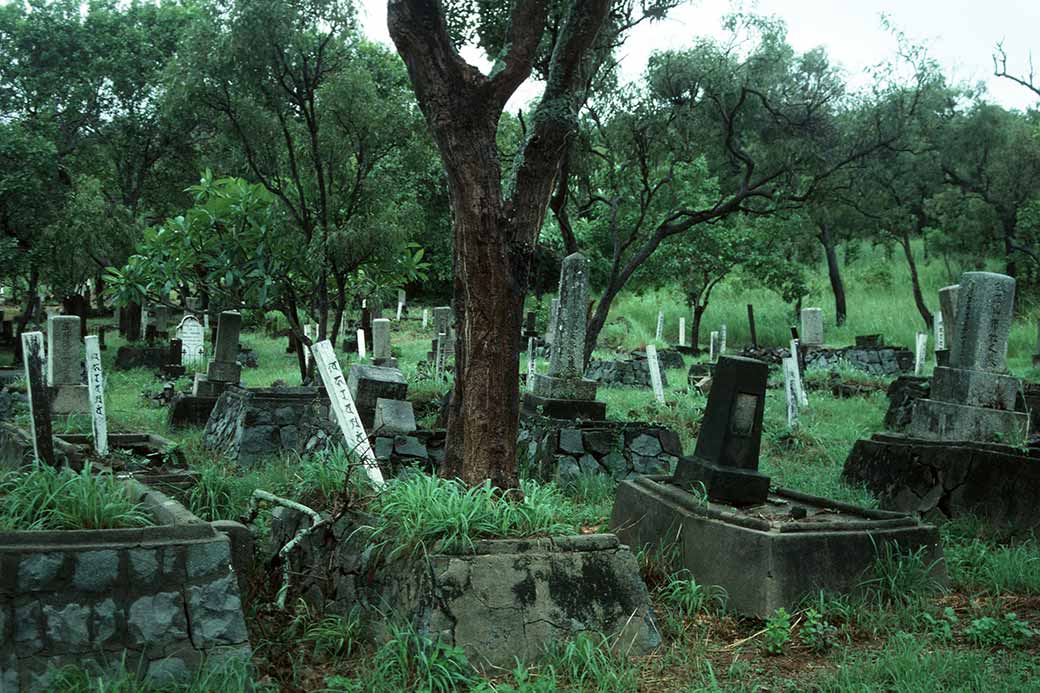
812,327
790,366
438,361
682,331
725,461
402,301
193,341
940,332
722,340
361,350
660,325
64,366
224,368
442,317
381,355
96,388
38,397
920,352
796,350
532,362
655,373
344,407
948,308
370,383
975,398
564,392
425,317
393,416
713,347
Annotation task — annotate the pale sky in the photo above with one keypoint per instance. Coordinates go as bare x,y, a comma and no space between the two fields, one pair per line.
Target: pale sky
960,34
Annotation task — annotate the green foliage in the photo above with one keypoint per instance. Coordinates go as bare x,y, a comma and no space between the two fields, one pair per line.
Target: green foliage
428,511
816,633
689,598
901,579
332,636
941,626
1006,632
777,633
232,675
43,498
590,661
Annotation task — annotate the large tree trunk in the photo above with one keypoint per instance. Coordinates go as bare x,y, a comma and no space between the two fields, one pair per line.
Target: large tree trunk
915,282
834,272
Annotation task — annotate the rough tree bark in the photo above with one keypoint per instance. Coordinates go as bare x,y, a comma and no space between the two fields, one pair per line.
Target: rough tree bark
834,272
494,227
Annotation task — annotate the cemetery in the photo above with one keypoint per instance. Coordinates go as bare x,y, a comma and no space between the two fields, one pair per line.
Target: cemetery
389,346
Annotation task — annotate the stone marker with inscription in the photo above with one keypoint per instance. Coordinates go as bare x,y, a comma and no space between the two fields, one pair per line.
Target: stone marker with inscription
64,366
812,327
655,373
224,368
193,341
96,387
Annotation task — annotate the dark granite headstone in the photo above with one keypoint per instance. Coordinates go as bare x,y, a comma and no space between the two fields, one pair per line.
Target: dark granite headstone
725,460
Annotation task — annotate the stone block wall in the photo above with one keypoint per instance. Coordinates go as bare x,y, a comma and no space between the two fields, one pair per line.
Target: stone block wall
157,600
565,450
888,361
249,423
630,373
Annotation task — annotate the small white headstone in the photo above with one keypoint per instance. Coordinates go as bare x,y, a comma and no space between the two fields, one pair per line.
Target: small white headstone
205,321
790,365
713,348
193,341
361,344
400,307
532,362
96,390
344,410
660,324
425,317
682,331
919,353
803,399
722,340
940,332
655,373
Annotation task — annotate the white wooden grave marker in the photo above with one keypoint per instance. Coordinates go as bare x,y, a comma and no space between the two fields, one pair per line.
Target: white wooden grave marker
655,373
343,407
940,332
919,352
660,324
722,340
682,331
96,390
713,348
361,344
532,362
803,399
442,337
790,365
425,317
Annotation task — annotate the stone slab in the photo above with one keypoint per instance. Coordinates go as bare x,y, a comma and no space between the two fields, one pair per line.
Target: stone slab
766,564
976,388
936,420
589,410
70,399
563,388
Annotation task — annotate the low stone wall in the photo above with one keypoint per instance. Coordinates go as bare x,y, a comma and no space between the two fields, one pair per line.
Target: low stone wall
421,450
498,600
249,423
630,373
885,361
157,600
564,450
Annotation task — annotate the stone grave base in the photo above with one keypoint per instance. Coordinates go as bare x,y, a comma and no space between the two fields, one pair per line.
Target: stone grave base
157,600
887,361
940,420
998,483
902,393
565,450
570,409
190,410
70,399
418,450
250,423
762,556
498,600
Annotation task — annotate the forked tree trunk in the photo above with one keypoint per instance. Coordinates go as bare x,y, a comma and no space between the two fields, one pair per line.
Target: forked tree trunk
915,282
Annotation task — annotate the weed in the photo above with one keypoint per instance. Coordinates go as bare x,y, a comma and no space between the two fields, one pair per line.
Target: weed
588,662
942,625
689,598
1008,632
778,632
816,633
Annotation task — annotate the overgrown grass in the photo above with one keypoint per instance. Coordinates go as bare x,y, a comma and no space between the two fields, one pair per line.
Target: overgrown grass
42,498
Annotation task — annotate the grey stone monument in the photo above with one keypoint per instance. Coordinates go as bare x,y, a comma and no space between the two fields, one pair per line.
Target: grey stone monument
223,369
442,319
725,462
564,392
975,398
550,328
393,416
812,327
381,343
64,366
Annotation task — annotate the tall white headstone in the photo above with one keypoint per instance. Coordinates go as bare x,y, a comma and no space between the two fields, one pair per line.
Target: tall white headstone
193,342
343,408
713,347
361,344
425,317
96,388
812,326
790,366
682,331
401,297
655,373
919,352
722,340
940,332
660,325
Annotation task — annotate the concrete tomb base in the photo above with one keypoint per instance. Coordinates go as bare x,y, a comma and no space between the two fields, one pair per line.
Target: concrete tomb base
571,409
771,555
70,399
498,600
368,384
1000,484
190,410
